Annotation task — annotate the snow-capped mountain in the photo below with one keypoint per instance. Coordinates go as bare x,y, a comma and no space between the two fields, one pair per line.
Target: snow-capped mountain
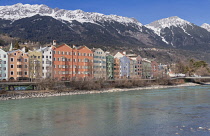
160,25
19,11
206,26
42,23
81,27
180,33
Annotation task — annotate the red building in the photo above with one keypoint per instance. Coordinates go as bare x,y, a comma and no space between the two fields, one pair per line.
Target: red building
72,62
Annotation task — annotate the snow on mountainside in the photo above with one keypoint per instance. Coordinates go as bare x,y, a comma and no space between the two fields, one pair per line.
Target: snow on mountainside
161,24
19,11
206,26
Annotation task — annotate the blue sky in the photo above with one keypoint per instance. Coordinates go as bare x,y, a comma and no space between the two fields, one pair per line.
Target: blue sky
146,11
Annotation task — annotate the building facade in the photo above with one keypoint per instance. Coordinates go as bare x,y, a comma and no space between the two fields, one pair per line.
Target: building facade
72,63
146,69
3,65
47,61
83,66
35,64
139,66
124,67
116,68
110,66
18,65
99,63
155,69
132,68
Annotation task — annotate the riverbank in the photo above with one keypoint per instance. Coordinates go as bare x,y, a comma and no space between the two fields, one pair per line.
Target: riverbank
41,94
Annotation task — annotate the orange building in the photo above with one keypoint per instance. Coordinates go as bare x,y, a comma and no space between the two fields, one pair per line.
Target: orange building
72,62
116,68
18,65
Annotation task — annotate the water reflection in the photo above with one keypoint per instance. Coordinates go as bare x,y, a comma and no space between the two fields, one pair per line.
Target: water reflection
174,111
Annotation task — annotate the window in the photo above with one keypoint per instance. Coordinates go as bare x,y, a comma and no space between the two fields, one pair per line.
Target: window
11,59
15,54
11,72
5,56
48,62
38,57
54,52
26,66
19,73
27,59
5,62
26,73
58,59
19,60
11,66
19,66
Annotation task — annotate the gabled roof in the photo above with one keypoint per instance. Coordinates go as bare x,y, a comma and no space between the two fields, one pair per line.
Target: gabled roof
81,47
14,51
62,45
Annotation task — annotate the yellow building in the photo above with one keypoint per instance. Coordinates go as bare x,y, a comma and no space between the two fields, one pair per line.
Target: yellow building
35,64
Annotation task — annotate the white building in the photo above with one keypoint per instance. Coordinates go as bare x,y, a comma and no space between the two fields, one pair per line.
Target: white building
3,65
47,61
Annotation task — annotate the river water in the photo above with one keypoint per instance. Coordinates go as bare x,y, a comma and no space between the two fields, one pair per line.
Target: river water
165,112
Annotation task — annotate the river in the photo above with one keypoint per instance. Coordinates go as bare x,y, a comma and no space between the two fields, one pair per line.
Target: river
162,112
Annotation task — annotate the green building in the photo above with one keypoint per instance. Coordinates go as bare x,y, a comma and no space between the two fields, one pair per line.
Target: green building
110,66
146,69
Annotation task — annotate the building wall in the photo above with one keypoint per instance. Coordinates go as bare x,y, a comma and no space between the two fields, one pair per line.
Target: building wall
72,62
132,68
124,67
139,67
110,66
84,63
47,61
3,65
116,68
18,65
35,64
63,62
146,69
99,63
155,68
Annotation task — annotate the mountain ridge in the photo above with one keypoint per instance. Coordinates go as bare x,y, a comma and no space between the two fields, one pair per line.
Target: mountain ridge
79,27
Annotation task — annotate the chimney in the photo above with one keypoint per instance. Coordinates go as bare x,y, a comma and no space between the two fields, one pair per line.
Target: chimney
54,42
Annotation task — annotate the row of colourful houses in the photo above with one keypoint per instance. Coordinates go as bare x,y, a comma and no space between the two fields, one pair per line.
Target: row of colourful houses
64,63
